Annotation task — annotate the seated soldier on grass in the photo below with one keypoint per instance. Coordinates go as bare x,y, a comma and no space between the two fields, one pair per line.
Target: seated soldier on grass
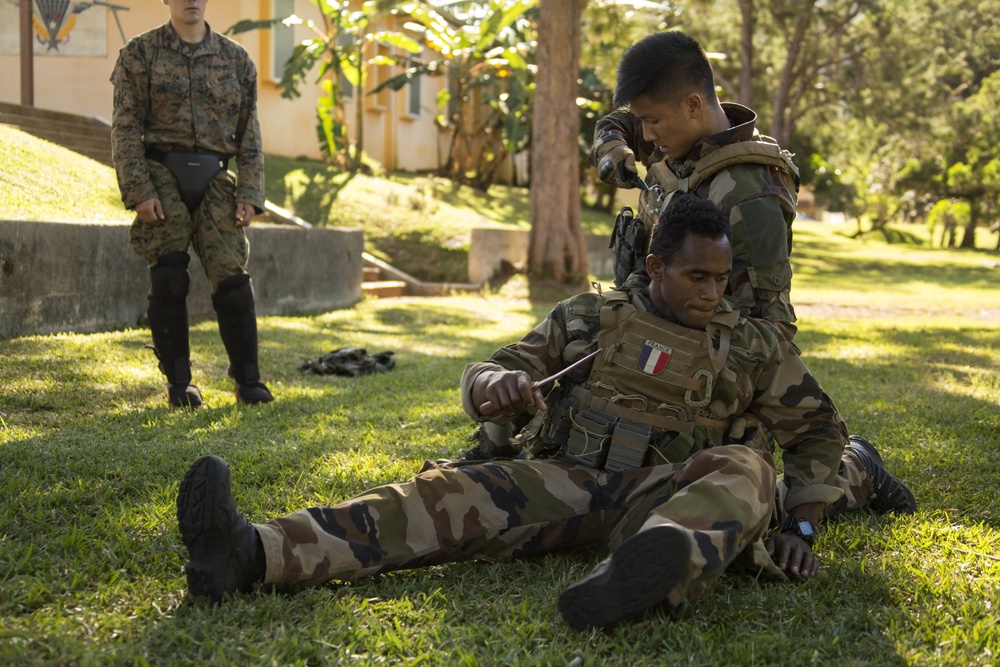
634,454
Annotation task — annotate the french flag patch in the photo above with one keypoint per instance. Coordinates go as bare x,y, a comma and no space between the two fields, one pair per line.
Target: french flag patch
653,357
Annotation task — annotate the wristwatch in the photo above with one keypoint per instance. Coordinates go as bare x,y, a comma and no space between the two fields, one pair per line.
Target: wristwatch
804,528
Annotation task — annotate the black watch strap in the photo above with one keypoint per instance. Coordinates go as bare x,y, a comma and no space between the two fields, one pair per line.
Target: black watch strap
804,528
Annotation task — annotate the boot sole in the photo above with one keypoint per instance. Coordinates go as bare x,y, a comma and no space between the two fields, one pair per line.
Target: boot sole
196,502
641,574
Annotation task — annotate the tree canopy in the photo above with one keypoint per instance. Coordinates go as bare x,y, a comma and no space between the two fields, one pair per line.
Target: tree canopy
887,103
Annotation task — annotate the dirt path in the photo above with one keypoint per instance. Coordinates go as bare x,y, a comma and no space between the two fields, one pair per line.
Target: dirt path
988,314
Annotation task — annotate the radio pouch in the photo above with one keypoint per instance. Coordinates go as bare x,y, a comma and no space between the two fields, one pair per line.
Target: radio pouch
629,245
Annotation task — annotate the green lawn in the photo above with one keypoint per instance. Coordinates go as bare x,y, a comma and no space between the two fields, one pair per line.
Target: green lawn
40,180
906,340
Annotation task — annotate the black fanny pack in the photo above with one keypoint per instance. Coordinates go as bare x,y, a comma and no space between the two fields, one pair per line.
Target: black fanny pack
193,171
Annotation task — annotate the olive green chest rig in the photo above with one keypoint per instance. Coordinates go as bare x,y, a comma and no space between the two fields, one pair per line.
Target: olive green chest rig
648,397
630,237
664,183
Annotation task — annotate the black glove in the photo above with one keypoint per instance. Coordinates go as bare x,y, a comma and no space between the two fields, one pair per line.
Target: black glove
617,166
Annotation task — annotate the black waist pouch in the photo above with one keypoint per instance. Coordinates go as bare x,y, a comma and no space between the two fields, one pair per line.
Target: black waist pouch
193,171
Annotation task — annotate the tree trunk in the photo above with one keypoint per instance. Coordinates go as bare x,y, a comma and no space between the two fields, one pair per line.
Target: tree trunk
558,249
354,163
969,236
780,128
746,53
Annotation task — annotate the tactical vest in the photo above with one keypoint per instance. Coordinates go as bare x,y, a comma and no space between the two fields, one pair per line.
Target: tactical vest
646,400
664,184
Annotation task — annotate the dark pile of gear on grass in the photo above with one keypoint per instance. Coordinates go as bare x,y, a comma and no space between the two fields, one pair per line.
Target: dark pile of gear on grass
350,361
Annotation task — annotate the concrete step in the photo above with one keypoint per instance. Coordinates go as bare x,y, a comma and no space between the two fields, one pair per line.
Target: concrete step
83,134
371,274
81,125
36,112
104,157
77,142
383,288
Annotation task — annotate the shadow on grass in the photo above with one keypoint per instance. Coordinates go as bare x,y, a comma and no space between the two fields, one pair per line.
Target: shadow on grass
421,254
313,187
920,402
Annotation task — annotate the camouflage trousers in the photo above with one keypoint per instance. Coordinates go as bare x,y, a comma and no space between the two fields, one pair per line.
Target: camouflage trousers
221,246
722,498
493,441
854,481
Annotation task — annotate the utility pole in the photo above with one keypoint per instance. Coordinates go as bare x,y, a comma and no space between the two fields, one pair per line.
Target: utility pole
27,57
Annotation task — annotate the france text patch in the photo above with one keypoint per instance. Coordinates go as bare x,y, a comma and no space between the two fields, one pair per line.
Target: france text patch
653,357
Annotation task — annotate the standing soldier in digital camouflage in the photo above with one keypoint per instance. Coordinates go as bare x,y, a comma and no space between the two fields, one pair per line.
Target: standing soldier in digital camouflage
185,104
634,452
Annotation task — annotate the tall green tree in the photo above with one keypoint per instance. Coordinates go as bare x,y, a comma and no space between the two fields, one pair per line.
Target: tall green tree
928,93
787,57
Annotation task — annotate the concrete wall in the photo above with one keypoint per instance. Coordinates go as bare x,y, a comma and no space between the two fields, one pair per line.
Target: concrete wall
490,248
57,277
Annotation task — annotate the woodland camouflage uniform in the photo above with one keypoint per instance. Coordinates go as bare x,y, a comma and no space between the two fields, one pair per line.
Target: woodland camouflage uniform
201,100
759,199
183,104
720,494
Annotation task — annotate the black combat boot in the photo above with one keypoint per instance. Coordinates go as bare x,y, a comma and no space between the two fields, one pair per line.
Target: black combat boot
168,324
639,575
890,493
234,306
181,393
226,555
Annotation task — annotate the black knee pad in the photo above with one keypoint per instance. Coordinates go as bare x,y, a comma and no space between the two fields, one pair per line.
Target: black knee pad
170,278
234,297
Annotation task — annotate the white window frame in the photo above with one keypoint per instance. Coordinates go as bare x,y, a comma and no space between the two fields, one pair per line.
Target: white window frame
413,94
282,38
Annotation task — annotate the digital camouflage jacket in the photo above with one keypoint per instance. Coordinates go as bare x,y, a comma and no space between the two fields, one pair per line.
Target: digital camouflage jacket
759,199
177,97
762,376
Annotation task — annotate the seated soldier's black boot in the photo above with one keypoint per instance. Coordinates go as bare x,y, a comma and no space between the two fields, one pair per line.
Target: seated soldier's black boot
168,324
890,494
639,575
226,555
234,306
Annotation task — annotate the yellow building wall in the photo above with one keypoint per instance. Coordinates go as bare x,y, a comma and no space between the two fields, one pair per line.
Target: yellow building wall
82,85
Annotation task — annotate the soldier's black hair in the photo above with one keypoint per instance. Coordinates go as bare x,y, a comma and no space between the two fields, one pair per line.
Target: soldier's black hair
666,66
687,214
